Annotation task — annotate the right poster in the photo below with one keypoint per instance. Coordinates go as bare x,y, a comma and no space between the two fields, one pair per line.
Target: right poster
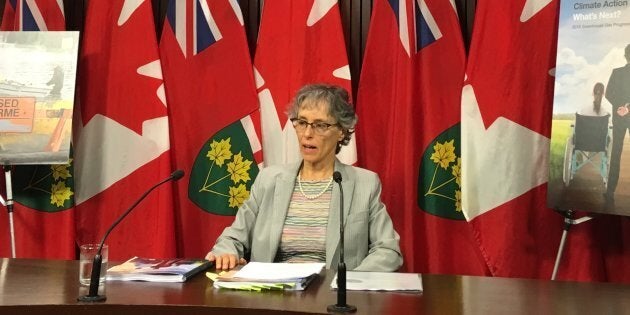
590,154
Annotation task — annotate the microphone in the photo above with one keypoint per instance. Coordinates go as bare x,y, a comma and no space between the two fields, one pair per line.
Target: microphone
337,178
341,306
93,295
176,175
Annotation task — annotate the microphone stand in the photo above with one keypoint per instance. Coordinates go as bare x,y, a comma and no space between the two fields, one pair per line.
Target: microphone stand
93,295
341,306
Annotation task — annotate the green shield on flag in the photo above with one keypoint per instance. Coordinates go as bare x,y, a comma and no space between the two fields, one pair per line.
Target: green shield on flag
45,188
439,179
223,172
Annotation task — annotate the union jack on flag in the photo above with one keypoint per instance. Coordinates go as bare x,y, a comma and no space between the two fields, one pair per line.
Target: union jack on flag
417,30
38,15
204,29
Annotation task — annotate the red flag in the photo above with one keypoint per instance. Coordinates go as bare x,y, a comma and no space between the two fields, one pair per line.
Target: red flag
506,114
123,147
33,15
299,42
8,15
44,219
409,112
211,95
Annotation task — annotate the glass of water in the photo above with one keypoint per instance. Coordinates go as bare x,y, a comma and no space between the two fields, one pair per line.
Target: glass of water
86,259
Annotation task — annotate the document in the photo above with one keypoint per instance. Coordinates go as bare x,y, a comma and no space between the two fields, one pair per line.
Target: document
157,270
256,276
277,272
381,281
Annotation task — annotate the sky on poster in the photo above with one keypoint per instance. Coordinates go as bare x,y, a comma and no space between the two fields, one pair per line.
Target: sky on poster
592,36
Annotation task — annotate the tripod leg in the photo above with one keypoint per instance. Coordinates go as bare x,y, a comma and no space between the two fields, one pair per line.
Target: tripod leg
12,234
559,255
568,220
9,204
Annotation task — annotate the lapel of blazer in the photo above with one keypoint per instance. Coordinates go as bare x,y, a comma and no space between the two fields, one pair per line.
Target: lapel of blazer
332,229
284,185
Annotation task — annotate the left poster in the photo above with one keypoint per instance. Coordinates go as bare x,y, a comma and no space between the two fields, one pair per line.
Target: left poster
37,87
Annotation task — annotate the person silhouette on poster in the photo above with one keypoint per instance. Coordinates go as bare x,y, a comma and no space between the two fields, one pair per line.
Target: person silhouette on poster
618,94
595,109
56,81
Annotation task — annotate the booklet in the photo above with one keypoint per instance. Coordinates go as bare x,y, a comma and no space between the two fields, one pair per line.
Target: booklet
257,276
157,270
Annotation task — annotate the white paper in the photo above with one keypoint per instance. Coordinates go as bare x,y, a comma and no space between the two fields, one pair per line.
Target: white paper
278,272
381,281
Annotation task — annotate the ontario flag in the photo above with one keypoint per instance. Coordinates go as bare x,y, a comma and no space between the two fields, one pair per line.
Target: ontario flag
299,42
213,106
44,219
33,15
506,123
409,130
8,15
122,139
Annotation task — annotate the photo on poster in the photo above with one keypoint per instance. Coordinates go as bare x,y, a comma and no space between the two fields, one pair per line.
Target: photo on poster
37,83
590,154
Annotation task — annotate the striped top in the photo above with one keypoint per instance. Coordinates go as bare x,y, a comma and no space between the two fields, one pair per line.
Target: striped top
304,232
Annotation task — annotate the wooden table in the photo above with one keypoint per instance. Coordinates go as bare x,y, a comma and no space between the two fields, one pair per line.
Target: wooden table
29,286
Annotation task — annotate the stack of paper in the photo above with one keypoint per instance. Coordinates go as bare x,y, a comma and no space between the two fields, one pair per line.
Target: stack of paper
381,281
256,276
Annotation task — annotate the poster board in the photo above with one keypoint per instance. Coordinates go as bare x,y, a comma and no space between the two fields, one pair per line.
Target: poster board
37,85
592,40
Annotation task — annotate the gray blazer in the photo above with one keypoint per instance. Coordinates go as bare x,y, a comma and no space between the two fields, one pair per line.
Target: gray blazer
371,244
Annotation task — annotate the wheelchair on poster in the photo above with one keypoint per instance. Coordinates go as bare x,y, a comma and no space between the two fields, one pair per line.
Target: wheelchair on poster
588,144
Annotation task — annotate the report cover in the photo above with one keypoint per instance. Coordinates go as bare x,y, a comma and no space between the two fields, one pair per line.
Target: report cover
157,270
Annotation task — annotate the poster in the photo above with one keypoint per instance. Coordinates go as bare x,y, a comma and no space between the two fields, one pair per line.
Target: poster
590,154
37,82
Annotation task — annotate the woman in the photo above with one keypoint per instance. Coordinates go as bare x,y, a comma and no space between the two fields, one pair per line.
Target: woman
292,214
595,109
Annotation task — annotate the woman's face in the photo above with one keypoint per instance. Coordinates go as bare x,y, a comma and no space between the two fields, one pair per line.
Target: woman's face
317,146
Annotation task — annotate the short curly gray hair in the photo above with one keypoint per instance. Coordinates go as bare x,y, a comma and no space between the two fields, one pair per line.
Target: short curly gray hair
339,106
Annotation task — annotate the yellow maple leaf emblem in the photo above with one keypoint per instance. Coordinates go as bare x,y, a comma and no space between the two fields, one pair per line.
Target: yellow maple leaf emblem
444,153
220,151
456,170
59,193
238,195
239,169
60,171
458,200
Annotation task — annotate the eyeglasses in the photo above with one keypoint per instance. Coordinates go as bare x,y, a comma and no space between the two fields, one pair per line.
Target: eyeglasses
319,127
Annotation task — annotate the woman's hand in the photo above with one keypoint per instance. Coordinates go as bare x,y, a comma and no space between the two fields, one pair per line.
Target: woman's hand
225,261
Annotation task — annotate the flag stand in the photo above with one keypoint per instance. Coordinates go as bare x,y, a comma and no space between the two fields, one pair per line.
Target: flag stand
9,205
568,222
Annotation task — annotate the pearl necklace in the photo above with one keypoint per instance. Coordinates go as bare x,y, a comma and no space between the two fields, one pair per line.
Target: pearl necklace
313,196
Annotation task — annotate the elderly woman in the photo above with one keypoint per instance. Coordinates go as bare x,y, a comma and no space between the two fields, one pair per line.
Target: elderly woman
292,214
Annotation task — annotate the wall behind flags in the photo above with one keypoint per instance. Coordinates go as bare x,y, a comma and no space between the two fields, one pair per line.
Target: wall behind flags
355,15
